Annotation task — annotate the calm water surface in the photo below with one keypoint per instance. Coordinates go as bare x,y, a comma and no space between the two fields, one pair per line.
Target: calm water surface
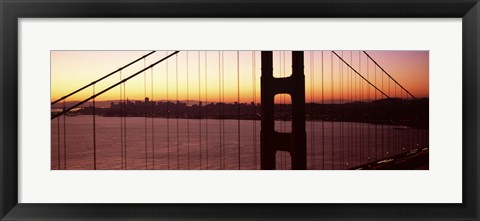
186,144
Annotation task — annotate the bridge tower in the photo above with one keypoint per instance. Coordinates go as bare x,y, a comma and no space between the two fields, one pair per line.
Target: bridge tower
270,140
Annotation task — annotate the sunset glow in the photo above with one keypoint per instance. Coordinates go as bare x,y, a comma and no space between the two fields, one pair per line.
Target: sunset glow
200,76
223,110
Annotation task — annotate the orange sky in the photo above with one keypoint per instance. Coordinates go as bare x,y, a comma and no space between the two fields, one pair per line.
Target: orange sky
73,69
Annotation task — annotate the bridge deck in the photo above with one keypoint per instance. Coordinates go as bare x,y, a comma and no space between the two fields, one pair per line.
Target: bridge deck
416,159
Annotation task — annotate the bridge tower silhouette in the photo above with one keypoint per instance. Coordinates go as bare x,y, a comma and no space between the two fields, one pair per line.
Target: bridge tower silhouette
272,141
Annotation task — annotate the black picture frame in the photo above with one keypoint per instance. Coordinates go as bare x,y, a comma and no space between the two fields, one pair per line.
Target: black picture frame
11,11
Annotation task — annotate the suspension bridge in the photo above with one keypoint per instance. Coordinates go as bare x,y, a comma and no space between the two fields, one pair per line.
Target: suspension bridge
341,111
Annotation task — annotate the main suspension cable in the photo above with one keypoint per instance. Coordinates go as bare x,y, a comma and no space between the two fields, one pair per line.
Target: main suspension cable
100,79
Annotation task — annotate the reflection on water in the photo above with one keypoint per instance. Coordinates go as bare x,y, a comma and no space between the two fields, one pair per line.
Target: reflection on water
163,148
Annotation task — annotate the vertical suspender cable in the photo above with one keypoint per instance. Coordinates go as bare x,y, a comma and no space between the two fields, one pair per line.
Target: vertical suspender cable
323,119
395,132
94,138
125,123
353,81
312,131
58,142
352,123
347,109
402,138
345,127
333,123
383,129
284,104
145,110
206,108
410,141
167,115
199,110
64,137
177,110
368,126
255,112
395,90
346,94
389,126
152,116
359,129
121,122
354,129
188,118
341,102
376,132
345,102
284,110
360,124
418,135
223,110
238,108
220,105
355,124
418,138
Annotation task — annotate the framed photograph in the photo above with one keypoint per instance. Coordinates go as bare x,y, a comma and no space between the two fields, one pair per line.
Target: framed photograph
239,110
